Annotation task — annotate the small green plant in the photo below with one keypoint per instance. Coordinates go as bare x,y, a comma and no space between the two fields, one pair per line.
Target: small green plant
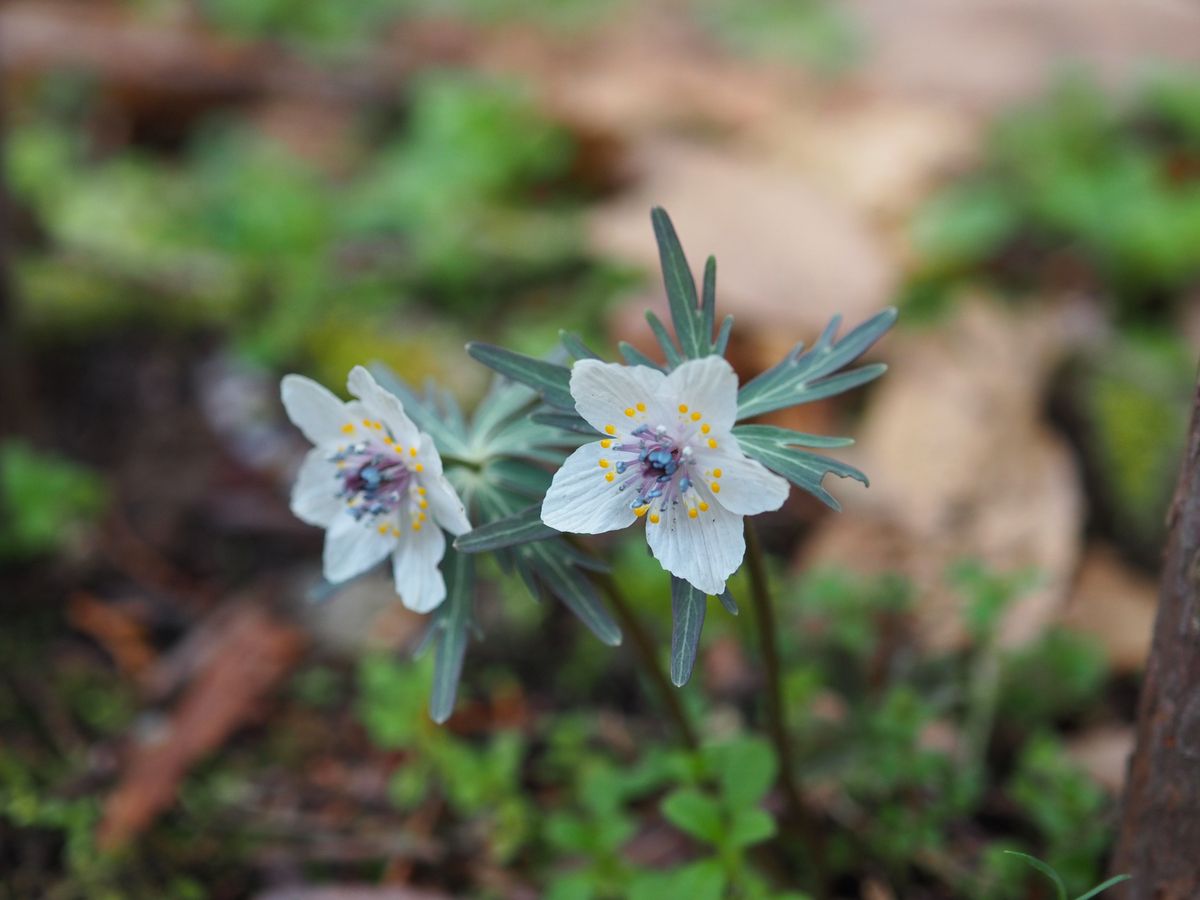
1059,886
45,501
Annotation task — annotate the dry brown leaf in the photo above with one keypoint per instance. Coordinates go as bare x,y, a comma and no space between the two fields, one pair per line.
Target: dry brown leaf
961,466
255,652
1115,605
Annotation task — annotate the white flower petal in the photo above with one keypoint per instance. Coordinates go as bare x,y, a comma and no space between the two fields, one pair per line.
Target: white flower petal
419,581
745,486
708,386
581,500
444,503
604,392
352,547
313,409
383,404
704,551
314,496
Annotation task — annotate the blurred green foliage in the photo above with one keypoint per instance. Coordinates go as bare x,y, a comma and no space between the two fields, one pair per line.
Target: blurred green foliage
1077,182
45,501
465,207
816,32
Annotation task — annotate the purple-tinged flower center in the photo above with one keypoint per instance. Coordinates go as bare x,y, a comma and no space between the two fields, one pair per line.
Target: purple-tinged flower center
375,480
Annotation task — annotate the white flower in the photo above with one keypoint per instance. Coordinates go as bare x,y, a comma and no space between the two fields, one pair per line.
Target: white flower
375,483
669,457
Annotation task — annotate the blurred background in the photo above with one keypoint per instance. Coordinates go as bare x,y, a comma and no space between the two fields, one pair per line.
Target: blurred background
201,195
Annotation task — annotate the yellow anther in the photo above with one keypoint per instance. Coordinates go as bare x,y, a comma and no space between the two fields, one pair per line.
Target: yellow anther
716,473
341,465
421,517
712,443
348,428
640,511
654,519
419,468
609,476
683,407
692,513
606,443
377,425
421,491
610,429
366,423
703,506
629,411
705,428
383,529
716,488
388,440
412,451
641,407
395,532
416,526
695,417
424,504
604,463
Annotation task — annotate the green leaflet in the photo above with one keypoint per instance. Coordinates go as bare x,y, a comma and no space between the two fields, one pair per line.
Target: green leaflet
452,623
688,606
803,377
775,449
549,379
519,528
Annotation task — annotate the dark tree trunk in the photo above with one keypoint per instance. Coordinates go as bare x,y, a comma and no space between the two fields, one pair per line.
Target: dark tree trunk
1159,844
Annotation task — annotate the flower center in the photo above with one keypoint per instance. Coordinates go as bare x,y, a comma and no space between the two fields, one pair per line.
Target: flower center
375,480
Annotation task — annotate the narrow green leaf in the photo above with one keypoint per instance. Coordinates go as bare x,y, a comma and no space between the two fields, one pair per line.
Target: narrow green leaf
565,422
708,297
688,606
454,623
557,571
670,352
803,377
448,440
728,602
785,437
550,380
575,345
773,448
722,342
1100,888
681,287
1045,869
636,357
520,528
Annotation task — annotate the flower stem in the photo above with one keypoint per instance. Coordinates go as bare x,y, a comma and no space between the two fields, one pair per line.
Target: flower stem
644,648
764,619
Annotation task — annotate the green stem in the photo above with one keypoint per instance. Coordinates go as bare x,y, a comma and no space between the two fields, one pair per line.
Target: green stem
644,648
764,619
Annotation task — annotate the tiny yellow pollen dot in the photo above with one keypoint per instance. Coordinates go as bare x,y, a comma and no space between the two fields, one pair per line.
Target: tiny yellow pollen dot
683,407
641,407
395,532
341,465
705,428
421,491
416,526
716,488
629,411
654,519
383,529
377,425
695,417
716,473
424,504
604,463
640,511
692,513
610,429
606,443
366,423
609,476
388,440
421,517
712,443
412,451
419,467
703,506
348,428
